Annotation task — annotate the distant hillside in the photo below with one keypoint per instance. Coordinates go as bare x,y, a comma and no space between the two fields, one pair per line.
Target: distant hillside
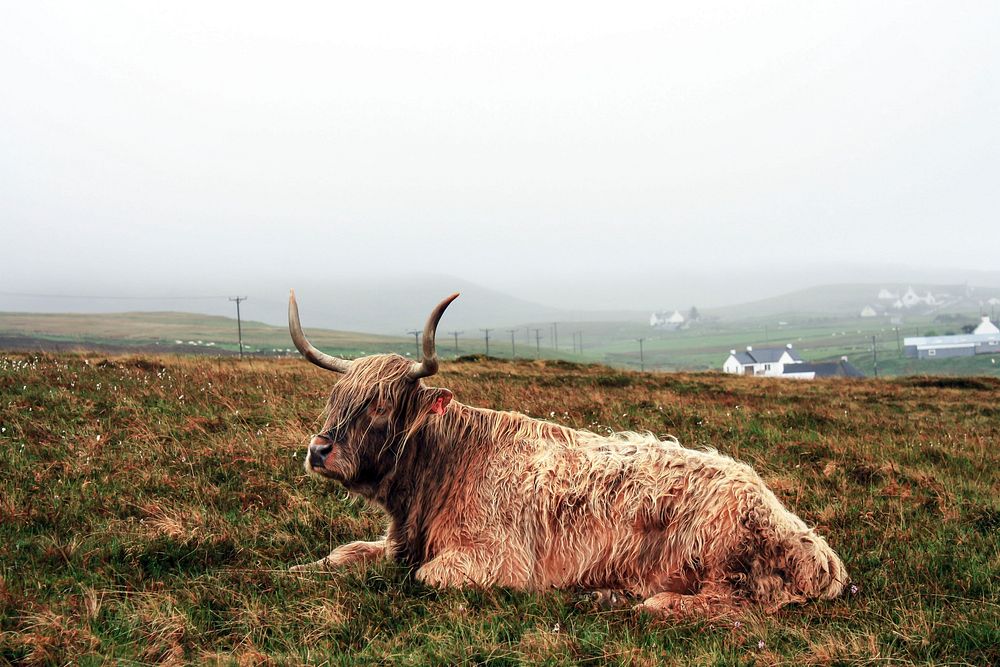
180,332
393,305
849,299
389,305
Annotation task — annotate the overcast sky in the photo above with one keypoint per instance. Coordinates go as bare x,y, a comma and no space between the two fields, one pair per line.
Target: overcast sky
208,145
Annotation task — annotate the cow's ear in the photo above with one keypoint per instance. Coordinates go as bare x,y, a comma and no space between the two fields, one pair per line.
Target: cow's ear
442,397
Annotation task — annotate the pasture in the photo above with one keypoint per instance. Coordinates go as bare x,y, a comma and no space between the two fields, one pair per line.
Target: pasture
150,508
703,346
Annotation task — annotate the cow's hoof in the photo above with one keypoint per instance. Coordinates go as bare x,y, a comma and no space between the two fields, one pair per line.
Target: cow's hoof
607,599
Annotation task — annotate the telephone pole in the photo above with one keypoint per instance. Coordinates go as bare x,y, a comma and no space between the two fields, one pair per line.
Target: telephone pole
455,334
555,336
487,332
642,359
512,351
875,356
538,343
416,339
239,322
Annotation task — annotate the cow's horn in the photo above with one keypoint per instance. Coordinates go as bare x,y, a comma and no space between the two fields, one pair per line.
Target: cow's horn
429,365
305,347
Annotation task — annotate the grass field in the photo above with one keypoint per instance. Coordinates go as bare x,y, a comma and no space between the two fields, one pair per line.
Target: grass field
150,507
183,333
704,346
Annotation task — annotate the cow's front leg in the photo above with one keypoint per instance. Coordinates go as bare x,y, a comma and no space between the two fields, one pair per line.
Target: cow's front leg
355,552
711,600
450,568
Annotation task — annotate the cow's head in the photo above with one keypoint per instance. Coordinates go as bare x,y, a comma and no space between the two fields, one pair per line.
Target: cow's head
376,405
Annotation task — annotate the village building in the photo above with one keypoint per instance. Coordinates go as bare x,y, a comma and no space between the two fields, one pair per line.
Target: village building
822,369
986,327
868,311
985,339
768,361
661,320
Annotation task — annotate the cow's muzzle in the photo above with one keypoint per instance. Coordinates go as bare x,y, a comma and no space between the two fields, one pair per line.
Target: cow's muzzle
319,448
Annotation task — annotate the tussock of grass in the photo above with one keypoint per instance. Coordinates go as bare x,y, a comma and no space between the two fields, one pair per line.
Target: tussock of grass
150,507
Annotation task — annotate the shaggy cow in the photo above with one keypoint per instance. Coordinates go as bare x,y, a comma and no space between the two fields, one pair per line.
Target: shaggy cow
478,497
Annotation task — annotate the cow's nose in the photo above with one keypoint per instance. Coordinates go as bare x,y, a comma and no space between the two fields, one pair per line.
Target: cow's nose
319,448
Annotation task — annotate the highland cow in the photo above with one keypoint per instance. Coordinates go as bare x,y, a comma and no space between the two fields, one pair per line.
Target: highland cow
479,497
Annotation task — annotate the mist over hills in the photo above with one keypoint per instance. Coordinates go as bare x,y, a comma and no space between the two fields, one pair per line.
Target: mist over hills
394,304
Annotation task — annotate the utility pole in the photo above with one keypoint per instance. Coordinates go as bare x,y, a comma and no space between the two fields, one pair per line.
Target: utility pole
642,360
875,356
899,347
416,339
512,351
239,322
487,332
455,334
555,336
538,343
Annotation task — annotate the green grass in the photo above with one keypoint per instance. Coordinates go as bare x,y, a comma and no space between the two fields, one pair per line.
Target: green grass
160,331
702,347
150,507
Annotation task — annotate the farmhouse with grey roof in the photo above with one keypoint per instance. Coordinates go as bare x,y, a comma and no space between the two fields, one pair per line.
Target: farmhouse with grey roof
763,361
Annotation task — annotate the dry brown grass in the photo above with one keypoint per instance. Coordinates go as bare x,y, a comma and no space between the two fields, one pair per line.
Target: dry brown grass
149,508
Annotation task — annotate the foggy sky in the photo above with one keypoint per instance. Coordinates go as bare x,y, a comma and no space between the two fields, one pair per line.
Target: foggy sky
545,150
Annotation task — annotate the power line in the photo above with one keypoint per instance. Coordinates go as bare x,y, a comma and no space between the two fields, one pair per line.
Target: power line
487,332
416,338
875,356
455,334
99,296
239,322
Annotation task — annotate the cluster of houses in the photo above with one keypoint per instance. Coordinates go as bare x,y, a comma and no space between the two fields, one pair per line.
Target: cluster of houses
893,303
785,362
984,339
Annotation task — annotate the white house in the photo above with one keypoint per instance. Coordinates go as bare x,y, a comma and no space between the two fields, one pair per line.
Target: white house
661,320
986,327
769,361
886,295
911,299
868,311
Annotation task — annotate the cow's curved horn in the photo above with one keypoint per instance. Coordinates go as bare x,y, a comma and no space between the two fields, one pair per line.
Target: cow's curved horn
429,365
305,347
